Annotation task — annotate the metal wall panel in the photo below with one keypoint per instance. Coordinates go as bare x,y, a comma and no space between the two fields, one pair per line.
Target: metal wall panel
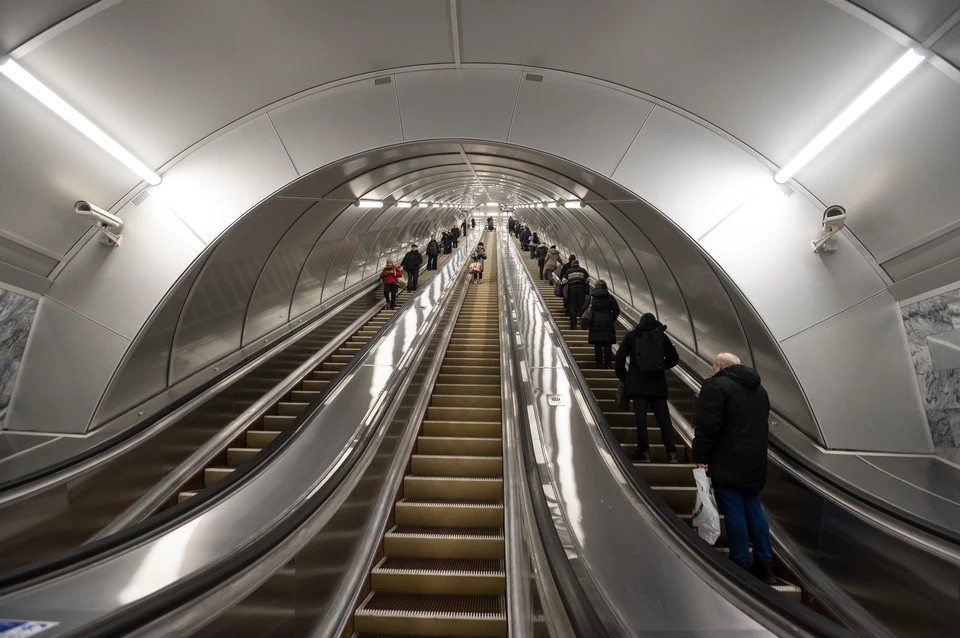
309,288
715,323
911,139
749,66
859,380
211,323
949,46
24,258
155,251
68,361
917,18
550,116
463,103
212,187
689,172
671,307
366,257
336,276
634,285
164,57
765,247
932,254
326,126
54,165
270,303
145,368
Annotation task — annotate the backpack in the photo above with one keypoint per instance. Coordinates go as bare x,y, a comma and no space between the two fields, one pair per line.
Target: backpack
649,351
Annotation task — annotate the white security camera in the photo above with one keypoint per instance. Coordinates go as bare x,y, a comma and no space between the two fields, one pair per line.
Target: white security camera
834,220
107,223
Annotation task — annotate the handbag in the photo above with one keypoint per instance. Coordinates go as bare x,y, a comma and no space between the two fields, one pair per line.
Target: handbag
623,401
558,289
402,282
587,317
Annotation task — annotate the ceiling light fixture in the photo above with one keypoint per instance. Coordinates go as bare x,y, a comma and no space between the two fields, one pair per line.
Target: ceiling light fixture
55,103
891,77
540,205
404,204
576,203
369,203
492,204
551,204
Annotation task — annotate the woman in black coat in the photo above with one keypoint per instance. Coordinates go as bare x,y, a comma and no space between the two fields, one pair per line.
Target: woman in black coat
603,324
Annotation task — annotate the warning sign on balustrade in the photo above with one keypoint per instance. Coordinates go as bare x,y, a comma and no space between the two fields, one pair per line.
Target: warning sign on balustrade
24,628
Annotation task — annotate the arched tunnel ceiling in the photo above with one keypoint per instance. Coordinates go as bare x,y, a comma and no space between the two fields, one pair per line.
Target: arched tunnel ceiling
688,106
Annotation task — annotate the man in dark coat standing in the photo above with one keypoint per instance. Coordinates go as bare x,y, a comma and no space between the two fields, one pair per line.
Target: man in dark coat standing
455,233
447,240
411,264
651,354
603,324
433,253
463,227
576,279
525,238
731,444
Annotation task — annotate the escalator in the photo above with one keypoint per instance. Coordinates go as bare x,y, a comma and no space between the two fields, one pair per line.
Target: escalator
442,565
281,415
673,482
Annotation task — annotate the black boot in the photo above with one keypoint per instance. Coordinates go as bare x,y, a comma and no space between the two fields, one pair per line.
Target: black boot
764,571
642,457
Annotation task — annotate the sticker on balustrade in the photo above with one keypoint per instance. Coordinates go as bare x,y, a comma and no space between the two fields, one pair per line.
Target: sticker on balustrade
22,628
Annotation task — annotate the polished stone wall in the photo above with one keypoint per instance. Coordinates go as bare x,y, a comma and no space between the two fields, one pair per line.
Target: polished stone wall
933,332
16,318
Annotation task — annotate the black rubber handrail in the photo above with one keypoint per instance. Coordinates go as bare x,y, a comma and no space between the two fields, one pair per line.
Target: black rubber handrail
162,522
705,556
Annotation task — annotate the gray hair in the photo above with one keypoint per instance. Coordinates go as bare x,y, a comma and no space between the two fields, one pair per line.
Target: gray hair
725,360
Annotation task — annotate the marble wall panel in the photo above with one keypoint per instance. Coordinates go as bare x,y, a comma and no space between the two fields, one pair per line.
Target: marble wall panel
934,321
16,318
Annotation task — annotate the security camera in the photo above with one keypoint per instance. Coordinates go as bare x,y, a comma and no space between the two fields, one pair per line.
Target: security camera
107,223
834,220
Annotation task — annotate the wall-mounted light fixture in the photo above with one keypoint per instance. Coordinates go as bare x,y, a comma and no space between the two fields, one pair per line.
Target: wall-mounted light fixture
369,203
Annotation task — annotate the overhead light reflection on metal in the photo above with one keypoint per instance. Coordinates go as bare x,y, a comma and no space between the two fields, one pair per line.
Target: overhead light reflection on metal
891,77
58,105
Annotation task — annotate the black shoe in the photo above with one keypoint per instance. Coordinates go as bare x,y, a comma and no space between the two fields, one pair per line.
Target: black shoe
641,457
672,457
764,571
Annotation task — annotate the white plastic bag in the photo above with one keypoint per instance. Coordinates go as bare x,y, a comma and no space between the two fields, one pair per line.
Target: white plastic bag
706,518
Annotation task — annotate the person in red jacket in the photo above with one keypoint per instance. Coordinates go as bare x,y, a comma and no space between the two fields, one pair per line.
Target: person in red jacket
390,275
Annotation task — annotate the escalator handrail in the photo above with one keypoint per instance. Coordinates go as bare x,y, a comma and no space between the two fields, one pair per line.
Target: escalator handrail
787,615
22,486
580,611
191,588
158,524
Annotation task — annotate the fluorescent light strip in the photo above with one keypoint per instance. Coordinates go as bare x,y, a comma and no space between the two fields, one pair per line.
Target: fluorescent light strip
573,204
55,103
370,203
404,204
891,77
551,204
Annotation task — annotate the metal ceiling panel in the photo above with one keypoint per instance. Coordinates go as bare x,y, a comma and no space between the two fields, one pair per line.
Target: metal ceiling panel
936,252
326,126
155,251
585,123
464,103
869,399
949,46
765,247
336,276
20,21
916,18
690,173
770,72
166,60
309,287
46,166
67,364
214,186
895,169
212,320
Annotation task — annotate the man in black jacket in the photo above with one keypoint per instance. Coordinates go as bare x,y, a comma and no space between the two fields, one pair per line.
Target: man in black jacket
411,264
731,444
577,289
651,354
524,238
433,253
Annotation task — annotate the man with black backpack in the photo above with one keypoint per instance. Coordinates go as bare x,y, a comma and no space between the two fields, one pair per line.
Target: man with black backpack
411,264
433,253
651,354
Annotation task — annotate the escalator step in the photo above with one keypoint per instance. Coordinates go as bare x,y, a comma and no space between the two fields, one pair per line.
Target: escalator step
444,542
432,614
439,576
453,487
444,513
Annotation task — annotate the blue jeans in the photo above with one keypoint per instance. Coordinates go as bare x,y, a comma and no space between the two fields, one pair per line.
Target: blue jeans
548,274
745,522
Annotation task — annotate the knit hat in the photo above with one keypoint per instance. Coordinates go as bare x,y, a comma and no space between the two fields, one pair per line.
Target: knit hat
647,317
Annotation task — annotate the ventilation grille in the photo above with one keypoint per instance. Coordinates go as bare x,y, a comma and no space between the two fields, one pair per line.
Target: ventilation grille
786,190
384,80
534,77
142,197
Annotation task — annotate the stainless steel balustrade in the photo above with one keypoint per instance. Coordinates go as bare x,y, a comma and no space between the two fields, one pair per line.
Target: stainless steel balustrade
269,518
